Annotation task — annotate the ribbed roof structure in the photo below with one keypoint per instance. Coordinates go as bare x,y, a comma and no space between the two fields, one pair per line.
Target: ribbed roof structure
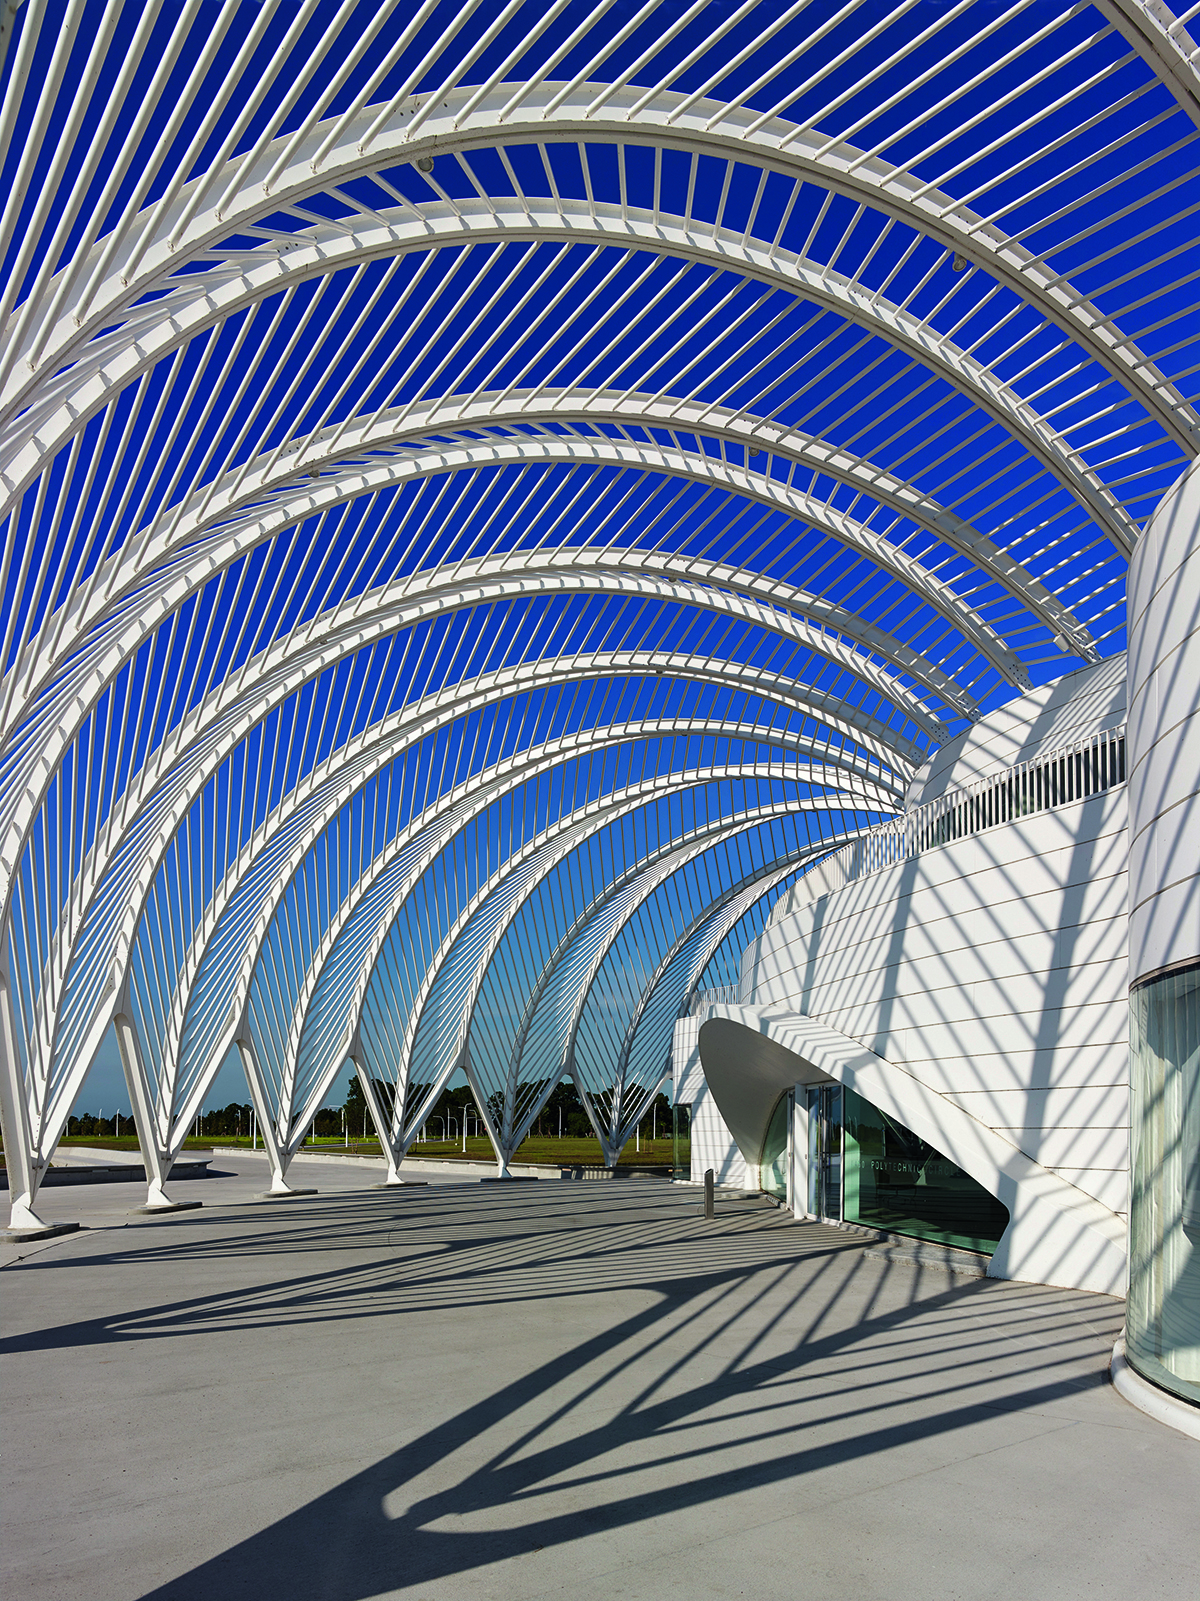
490,492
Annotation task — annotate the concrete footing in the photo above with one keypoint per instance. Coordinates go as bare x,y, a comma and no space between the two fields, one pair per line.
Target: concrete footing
151,1209
282,1195
47,1231
401,1184
1148,1398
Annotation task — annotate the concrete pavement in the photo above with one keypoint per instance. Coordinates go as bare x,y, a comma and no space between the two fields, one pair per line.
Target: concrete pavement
553,1390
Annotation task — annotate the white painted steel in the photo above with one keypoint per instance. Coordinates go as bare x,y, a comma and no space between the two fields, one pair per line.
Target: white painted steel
119,900
873,406
518,877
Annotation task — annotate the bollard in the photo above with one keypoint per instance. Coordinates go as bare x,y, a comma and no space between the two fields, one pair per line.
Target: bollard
709,1209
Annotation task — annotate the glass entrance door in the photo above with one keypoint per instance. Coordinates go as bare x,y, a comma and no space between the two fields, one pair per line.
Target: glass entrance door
825,1151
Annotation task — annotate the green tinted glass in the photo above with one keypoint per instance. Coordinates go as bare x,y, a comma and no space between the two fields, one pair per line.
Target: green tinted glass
773,1170
896,1182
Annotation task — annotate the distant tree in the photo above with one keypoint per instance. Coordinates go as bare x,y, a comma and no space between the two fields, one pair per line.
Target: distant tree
359,1122
575,1121
357,1117
328,1122
656,1120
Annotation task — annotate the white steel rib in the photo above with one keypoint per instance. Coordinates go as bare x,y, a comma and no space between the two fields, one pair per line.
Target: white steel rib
404,411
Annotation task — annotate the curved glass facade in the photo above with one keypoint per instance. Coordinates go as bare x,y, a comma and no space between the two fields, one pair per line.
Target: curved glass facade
1163,1312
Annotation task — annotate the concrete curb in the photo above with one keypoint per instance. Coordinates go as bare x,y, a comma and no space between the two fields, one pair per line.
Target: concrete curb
1148,1398
913,1256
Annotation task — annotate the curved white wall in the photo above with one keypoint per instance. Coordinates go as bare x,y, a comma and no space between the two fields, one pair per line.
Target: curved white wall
1163,1315
1164,735
995,971
712,1143
989,977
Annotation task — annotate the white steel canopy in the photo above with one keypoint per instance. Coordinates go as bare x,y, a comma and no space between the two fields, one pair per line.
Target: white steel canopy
488,492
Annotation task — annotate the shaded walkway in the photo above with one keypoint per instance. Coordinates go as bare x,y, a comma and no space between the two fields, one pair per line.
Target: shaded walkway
560,1389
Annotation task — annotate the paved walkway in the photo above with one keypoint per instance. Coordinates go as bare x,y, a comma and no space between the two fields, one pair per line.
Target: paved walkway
560,1390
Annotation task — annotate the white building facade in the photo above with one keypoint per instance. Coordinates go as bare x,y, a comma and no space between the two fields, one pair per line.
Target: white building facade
932,1036
973,991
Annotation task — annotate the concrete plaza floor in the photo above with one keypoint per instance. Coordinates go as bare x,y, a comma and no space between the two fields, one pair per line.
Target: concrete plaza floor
557,1389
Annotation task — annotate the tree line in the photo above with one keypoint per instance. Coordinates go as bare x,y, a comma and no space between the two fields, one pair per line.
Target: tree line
562,1114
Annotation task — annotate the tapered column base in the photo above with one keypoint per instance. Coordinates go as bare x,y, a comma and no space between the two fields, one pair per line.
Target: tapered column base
41,1231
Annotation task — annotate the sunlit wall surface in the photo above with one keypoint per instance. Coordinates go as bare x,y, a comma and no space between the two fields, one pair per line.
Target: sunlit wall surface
1163,1317
1163,1333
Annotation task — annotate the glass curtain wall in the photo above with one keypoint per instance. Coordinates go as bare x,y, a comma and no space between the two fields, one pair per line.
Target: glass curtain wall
898,1183
773,1168
1162,1332
864,1167
825,1151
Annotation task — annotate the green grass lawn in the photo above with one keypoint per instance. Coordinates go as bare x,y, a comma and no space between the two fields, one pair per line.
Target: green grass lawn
546,1151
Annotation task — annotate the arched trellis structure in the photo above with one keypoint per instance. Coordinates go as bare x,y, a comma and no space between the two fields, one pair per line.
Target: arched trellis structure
403,408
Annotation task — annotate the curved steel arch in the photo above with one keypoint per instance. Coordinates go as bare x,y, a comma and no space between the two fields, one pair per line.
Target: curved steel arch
219,527
278,851
770,603
64,710
436,710
864,730
551,844
1157,35
713,924
550,853
362,238
617,908
314,163
279,672
431,830
861,728
66,315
